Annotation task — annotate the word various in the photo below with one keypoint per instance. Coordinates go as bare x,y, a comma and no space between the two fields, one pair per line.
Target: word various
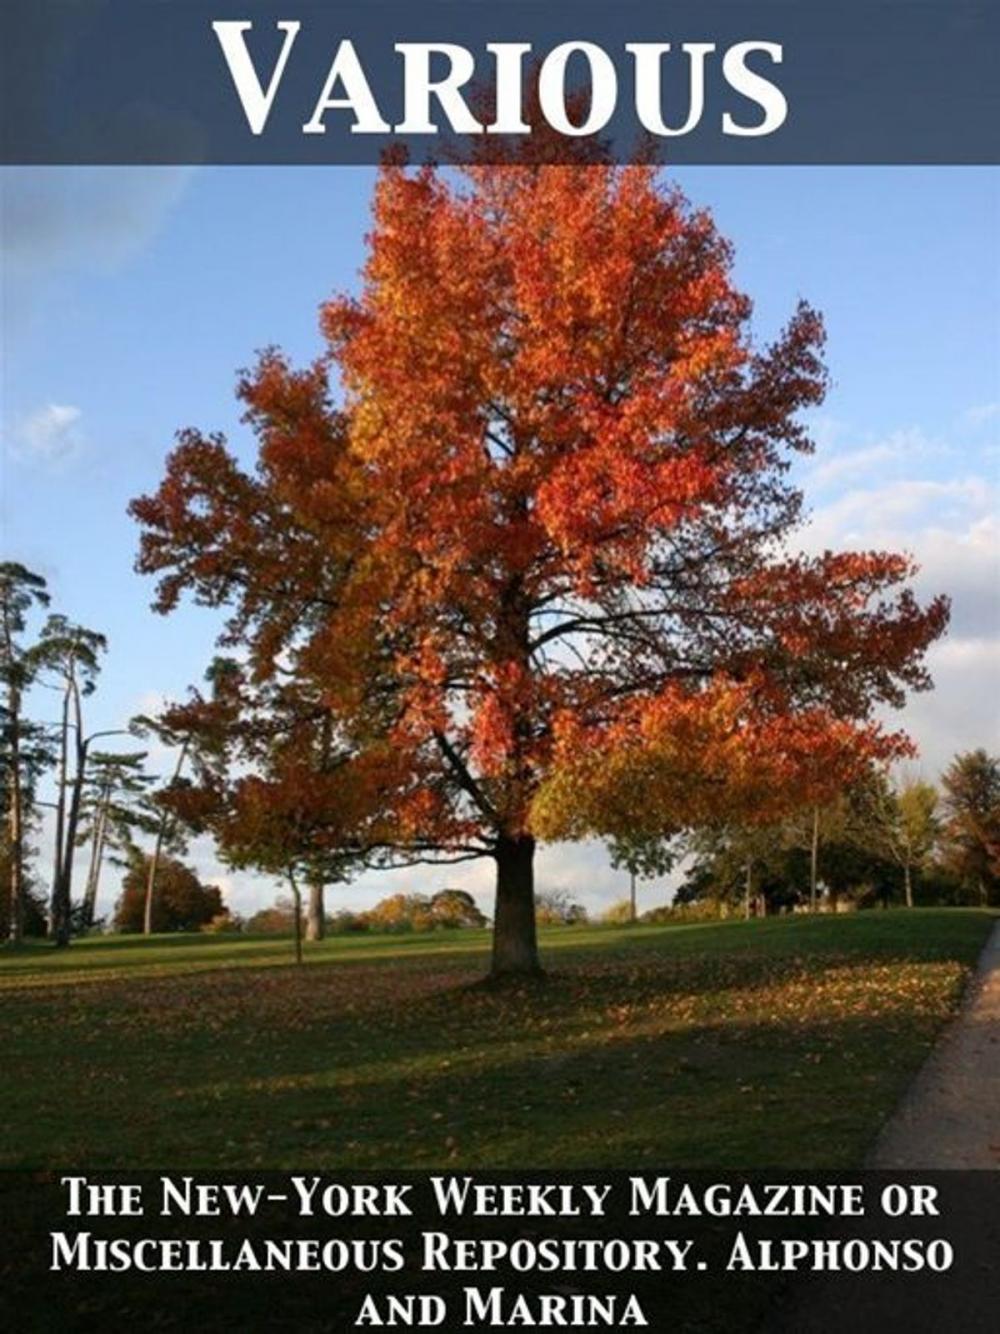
435,101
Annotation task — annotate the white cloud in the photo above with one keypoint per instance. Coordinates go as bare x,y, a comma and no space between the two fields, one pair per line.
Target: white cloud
952,529
51,434
961,712
835,464
901,510
981,413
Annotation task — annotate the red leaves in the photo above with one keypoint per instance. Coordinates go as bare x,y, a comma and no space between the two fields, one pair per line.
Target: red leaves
543,548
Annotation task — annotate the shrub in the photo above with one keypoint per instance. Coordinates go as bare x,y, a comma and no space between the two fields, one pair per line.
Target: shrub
556,907
618,914
276,920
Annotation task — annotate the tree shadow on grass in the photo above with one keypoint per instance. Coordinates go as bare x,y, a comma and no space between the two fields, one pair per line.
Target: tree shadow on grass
727,1059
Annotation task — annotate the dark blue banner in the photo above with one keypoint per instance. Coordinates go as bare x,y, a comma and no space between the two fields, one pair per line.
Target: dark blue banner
725,1253
764,81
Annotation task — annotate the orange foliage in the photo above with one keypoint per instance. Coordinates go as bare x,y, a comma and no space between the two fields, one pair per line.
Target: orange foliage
535,574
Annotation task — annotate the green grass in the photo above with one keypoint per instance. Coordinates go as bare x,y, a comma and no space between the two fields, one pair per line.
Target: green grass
741,1044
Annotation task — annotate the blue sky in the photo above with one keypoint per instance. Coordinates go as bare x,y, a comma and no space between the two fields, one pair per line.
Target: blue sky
132,296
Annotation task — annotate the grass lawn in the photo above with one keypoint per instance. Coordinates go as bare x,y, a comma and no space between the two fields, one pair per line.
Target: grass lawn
781,1043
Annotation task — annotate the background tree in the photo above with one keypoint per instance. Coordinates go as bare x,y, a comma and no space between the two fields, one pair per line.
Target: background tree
539,567
643,858
453,908
182,903
768,867
741,866
263,749
278,919
399,913
558,907
898,822
115,809
33,921
70,655
167,833
24,753
971,826
28,746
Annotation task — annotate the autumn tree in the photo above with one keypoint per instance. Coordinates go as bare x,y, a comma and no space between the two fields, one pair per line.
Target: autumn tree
447,909
971,825
183,903
24,750
538,565
453,908
263,748
619,913
400,912
276,920
262,753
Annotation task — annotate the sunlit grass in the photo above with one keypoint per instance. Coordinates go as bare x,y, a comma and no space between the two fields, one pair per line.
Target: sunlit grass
768,1043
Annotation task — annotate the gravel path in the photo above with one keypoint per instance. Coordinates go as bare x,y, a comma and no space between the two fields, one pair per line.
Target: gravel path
950,1116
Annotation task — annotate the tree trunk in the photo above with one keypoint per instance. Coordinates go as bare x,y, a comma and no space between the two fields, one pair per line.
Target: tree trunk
72,824
908,884
89,891
814,862
161,833
63,905
316,919
748,905
515,944
57,856
154,862
297,908
15,927
96,861
15,818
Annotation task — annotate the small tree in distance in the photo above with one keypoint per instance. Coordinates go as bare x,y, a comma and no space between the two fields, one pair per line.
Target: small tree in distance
453,908
558,907
183,903
899,823
971,825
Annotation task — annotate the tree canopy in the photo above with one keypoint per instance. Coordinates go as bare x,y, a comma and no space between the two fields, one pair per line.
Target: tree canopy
516,559
972,821
183,903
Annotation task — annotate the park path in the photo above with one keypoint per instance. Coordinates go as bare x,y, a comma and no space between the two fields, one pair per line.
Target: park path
950,1116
